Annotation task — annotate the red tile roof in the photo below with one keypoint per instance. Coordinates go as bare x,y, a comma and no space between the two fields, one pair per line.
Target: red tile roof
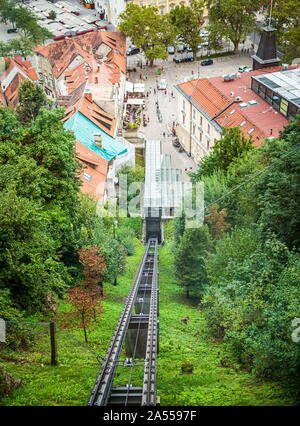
61,53
215,94
213,102
95,171
93,112
24,69
262,114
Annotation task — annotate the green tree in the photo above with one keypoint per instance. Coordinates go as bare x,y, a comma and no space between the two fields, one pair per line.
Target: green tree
31,99
187,21
148,30
286,20
30,267
232,145
277,190
52,14
232,20
190,260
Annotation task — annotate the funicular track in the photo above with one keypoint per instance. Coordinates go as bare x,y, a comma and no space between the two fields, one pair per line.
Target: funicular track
131,327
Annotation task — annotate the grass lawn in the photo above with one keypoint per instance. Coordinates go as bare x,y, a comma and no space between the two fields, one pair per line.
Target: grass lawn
216,379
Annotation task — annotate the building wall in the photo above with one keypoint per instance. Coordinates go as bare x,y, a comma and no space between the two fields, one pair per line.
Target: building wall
196,132
45,77
112,8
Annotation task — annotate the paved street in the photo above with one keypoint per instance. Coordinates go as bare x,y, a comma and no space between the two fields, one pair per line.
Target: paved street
174,74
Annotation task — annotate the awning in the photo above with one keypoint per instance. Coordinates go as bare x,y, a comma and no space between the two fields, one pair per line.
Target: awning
139,88
135,101
129,86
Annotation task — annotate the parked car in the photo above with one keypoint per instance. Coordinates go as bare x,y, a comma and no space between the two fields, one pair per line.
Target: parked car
181,48
12,30
132,51
183,57
162,84
243,68
171,50
207,62
76,13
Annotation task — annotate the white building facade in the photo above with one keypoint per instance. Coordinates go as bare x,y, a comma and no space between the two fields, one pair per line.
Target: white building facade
111,9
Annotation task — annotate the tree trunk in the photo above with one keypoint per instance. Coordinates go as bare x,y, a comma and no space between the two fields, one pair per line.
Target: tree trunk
236,46
151,63
187,293
85,335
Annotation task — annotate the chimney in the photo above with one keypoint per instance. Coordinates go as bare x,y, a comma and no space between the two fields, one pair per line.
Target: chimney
98,140
266,55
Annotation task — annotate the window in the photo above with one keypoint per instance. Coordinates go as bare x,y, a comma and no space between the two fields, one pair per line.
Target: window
194,129
283,107
292,111
201,121
262,91
194,114
183,105
207,145
276,102
269,95
254,86
87,177
208,129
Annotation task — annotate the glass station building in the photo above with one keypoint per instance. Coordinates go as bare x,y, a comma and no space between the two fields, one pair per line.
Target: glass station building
281,90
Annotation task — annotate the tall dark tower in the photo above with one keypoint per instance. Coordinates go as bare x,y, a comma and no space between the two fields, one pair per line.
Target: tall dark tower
266,55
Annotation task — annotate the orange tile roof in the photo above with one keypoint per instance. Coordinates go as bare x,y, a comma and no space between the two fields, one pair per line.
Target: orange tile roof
95,171
264,116
10,93
93,112
213,102
61,53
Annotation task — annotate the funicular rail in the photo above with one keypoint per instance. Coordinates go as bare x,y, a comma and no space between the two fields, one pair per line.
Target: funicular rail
149,385
103,392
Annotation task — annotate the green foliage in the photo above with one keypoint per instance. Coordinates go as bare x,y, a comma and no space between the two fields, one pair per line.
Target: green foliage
231,19
286,20
31,99
214,381
252,273
190,259
148,30
30,32
187,21
232,145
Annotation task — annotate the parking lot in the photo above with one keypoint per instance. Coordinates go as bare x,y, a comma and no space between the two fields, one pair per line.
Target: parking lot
72,18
